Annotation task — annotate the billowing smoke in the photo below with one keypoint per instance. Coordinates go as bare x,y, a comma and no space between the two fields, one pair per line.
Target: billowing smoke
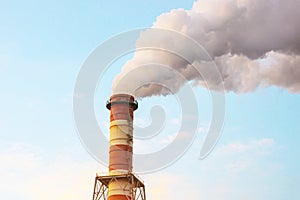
254,43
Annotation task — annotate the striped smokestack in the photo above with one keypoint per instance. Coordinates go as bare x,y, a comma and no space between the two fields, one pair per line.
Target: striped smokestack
121,108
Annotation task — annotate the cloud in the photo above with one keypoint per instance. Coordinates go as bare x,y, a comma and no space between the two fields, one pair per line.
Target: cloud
233,171
223,175
27,173
241,156
253,146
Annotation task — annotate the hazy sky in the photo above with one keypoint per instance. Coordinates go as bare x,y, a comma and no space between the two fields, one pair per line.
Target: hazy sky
43,45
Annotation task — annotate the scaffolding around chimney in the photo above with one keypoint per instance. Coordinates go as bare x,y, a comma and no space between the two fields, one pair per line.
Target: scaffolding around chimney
102,182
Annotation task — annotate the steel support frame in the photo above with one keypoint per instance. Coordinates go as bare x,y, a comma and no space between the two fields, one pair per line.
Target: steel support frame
101,186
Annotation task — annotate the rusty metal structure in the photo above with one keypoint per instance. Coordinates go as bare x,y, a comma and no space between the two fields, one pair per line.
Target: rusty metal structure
120,183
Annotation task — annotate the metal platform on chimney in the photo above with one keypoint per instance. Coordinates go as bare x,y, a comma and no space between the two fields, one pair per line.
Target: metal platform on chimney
102,182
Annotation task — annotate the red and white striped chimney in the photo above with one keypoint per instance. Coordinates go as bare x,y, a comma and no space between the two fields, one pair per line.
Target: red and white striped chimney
121,108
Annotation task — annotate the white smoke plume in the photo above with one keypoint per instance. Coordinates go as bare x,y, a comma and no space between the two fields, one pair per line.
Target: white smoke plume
254,43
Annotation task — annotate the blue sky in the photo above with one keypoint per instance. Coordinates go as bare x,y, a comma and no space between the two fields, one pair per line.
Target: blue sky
43,45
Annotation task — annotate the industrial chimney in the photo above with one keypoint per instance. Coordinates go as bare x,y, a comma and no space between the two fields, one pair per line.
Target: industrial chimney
120,183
